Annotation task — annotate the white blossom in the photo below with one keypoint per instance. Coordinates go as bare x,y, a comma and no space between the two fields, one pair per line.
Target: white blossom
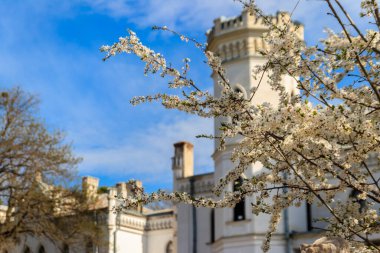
322,146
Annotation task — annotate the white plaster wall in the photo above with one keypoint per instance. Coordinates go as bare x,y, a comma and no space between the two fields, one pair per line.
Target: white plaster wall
158,240
225,226
237,73
203,230
184,228
129,241
298,218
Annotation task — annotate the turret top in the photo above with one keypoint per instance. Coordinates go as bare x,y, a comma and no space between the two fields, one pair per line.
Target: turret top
246,21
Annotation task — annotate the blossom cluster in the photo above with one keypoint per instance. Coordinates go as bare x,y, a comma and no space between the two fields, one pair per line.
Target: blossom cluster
320,145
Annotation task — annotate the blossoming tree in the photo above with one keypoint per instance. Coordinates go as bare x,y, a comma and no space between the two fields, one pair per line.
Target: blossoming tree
315,145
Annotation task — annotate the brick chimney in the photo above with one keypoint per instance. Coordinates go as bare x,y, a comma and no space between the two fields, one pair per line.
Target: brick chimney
183,160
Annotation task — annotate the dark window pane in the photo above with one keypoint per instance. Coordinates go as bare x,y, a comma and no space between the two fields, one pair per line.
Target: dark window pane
239,209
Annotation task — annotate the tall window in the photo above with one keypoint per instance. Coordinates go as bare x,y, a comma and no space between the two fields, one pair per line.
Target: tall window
239,209
212,225
169,247
309,216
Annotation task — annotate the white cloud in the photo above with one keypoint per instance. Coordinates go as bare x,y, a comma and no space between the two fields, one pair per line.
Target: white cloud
147,153
197,15
174,13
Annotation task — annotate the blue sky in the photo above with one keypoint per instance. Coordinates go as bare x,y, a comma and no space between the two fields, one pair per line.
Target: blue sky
50,48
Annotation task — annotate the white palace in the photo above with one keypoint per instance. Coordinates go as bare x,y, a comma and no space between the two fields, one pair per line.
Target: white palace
186,229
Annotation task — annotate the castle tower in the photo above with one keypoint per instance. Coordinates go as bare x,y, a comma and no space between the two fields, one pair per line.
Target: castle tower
238,42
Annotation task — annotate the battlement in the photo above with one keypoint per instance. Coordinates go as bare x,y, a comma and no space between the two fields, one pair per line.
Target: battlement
240,36
224,25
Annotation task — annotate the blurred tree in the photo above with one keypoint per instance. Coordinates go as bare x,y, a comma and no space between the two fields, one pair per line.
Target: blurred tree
36,173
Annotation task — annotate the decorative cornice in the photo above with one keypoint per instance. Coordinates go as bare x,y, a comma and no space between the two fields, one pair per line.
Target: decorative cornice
159,224
145,223
201,185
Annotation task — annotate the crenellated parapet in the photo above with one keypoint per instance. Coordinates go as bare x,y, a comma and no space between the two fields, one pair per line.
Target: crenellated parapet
240,48
241,36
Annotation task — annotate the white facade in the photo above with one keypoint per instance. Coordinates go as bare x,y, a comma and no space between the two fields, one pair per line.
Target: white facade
216,231
186,229
237,41
136,231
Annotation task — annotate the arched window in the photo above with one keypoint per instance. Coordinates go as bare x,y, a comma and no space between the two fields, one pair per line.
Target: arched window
27,249
239,209
41,249
169,247
238,88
